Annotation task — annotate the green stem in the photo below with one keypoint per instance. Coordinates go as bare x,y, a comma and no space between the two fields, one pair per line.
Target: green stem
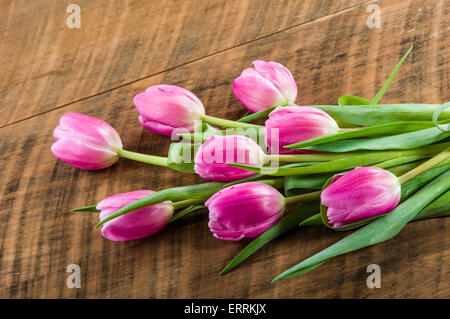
425,166
227,123
188,202
295,158
304,198
144,158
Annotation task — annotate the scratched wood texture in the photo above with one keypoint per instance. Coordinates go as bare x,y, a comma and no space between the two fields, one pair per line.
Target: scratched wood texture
124,47
46,65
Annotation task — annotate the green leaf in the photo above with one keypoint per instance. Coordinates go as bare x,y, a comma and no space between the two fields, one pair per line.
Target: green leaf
305,270
313,220
408,189
297,184
92,209
181,157
349,162
439,208
256,116
173,194
323,209
401,141
413,185
176,194
437,113
380,93
381,229
352,100
185,211
286,223
373,131
369,115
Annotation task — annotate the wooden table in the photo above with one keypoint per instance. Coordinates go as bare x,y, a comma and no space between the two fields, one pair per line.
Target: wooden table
122,47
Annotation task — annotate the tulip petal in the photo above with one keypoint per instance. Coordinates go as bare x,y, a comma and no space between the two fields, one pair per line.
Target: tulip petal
89,129
256,92
136,224
212,157
293,124
82,155
163,108
281,78
244,210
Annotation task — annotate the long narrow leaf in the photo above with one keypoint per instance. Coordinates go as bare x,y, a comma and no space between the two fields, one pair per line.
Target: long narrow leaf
370,115
353,100
373,131
349,162
185,211
380,93
256,116
172,194
381,229
438,208
408,188
401,141
288,222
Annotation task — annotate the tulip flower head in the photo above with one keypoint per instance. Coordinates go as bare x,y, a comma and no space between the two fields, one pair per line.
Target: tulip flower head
293,124
213,155
244,210
266,85
359,194
86,142
136,224
165,108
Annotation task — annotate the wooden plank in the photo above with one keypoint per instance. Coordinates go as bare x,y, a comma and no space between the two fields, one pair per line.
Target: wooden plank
45,65
39,236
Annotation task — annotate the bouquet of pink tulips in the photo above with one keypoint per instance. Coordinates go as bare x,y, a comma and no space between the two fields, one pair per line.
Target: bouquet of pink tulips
356,165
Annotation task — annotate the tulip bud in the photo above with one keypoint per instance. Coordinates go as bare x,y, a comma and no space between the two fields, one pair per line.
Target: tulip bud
296,124
359,194
244,210
266,85
136,224
164,108
86,142
213,155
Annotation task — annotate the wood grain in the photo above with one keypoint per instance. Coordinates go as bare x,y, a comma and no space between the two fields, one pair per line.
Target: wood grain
331,56
46,65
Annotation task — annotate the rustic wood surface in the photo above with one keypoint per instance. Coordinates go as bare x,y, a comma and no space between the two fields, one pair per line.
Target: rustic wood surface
123,47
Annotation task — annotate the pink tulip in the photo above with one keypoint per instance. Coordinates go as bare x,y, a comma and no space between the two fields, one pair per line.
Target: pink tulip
137,224
244,210
213,155
165,108
293,124
86,142
266,85
360,193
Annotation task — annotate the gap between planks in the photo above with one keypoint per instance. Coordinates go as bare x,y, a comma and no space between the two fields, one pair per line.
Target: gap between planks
331,15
